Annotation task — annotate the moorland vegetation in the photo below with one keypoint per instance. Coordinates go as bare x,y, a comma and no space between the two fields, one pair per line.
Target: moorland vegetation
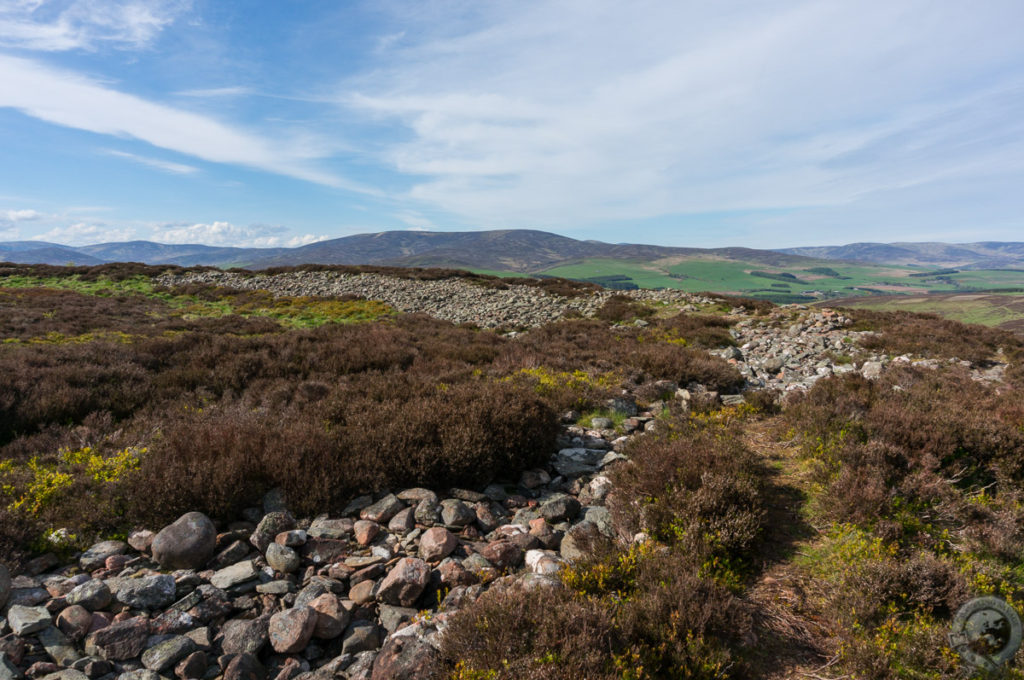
830,533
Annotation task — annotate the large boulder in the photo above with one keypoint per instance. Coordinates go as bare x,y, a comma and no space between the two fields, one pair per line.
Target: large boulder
188,543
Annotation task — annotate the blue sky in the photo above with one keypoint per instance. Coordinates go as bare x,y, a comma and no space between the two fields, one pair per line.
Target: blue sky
691,123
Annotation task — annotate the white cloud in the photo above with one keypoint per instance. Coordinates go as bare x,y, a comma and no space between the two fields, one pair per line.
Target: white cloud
231,235
68,99
304,240
159,164
60,25
23,215
561,114
85,233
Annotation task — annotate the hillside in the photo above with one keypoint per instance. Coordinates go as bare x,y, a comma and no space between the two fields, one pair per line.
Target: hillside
502,250
310,475
985,255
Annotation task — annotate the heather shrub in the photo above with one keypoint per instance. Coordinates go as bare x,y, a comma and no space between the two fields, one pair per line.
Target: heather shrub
696,487
917,482
684,365
931,335
749,305
701,330
620,308
636,613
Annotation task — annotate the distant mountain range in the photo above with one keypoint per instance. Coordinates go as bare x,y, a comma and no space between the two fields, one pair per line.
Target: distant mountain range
984,255
505,250
523,251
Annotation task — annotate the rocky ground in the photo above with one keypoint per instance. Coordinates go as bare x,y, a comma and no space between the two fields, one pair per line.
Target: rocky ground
366,593
455,300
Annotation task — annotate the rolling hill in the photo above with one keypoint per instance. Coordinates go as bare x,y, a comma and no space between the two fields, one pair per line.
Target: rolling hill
983,255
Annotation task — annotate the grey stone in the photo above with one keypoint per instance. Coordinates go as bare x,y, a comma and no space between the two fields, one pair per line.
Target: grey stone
403,522
247,636
330,528
95,557
92,595
282,558
188,543
27,620
455,513
58,646
560,508
140,674
383,510
357,504
417,495
66,674
600,517
871,369
269,527
361,636
148,592
392,617
233,575
164,655
428,512
406,657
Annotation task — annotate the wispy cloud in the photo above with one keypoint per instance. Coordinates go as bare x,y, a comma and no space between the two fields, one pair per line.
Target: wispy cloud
159,164
61,25
234,91
69,99
562,114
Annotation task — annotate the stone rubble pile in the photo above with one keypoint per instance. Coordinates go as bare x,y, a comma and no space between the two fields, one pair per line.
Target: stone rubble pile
364,594
455,300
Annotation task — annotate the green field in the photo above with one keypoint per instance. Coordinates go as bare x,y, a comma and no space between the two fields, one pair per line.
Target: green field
739,277
1005,310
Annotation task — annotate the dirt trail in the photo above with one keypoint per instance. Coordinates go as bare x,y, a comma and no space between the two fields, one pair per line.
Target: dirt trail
791,643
